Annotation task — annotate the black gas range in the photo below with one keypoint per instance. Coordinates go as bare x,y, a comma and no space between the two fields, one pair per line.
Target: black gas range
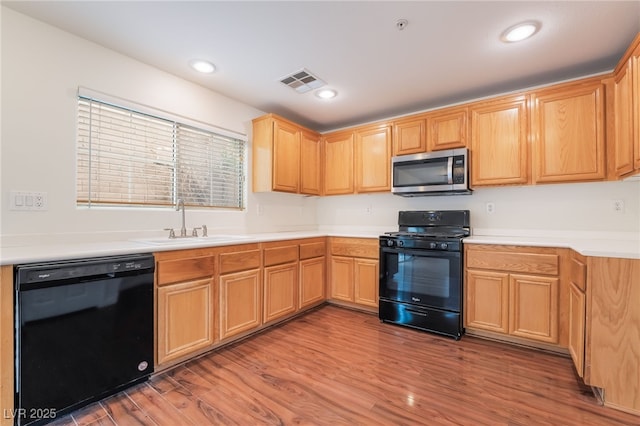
421,271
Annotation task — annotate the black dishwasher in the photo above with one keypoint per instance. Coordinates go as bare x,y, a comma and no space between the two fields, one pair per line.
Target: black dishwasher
83,331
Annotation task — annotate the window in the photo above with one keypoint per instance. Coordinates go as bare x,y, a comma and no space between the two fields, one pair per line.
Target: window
132,158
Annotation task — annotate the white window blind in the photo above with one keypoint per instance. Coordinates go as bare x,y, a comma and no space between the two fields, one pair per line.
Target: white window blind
127,157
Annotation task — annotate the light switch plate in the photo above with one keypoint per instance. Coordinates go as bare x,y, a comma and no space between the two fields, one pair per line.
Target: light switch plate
28,200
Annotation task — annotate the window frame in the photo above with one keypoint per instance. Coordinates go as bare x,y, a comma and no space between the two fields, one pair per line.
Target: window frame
211,151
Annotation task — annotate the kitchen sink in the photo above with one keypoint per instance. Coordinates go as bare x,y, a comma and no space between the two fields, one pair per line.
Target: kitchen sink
166,241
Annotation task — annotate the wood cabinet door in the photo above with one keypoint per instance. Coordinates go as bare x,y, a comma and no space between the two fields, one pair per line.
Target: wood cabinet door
568,133
373,159
409,136
342,278
635,96
499,147
613,330
312,278
447,129
487,301
286,157
577,319
533,307
623,145
185,319
280,291
310,163
240,307
366,282
338,163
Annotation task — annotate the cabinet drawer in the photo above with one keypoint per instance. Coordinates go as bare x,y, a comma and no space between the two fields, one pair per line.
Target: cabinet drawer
355,247
537,263
239,261
173,271
278,255
578,271
310,250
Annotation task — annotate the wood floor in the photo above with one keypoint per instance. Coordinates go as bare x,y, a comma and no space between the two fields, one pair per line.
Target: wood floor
337,366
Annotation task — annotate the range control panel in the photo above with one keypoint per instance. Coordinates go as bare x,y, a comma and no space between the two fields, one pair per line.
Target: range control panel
449,244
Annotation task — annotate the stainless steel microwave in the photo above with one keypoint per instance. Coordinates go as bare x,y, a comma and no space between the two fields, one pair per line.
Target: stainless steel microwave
431,173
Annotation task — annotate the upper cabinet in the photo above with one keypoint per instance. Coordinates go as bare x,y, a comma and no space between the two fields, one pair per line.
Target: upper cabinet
624,143
373,159
358,160
279,149
338,163
499,148
636,104
447,129
568,132
310,163
433,131
409,136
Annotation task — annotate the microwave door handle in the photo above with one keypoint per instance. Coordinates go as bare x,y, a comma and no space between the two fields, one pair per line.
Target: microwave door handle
450,170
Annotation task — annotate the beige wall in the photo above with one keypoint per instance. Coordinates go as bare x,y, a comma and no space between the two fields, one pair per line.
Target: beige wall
577,207
42,68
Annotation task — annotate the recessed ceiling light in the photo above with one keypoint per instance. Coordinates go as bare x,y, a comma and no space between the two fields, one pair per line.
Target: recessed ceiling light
520,32
202,66
326,93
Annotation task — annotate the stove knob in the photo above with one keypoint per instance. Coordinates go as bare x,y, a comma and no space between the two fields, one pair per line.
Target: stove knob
433,245
400,243
389,243
443,246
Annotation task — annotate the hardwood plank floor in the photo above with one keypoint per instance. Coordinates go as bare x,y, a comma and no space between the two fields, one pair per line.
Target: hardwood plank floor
337,366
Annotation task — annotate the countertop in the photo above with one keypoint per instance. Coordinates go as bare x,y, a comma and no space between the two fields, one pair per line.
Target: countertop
619,245
597,247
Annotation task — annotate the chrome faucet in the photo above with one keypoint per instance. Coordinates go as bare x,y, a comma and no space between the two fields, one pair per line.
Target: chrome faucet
183,230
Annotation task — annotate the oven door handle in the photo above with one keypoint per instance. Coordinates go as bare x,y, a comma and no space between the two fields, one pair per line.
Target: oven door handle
422,253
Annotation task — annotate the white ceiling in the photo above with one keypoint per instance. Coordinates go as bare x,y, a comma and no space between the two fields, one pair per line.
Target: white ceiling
449,52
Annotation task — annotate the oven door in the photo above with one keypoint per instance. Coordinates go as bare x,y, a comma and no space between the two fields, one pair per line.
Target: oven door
421,277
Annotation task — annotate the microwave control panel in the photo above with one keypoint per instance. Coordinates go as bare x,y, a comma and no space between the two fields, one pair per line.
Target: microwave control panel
458,169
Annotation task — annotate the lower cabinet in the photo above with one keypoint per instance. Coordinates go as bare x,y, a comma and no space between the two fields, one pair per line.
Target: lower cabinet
186,316
513,291
354,271
366,282
280,260
612,341
240,289
533,304
487,303
312,273
239,302
577,310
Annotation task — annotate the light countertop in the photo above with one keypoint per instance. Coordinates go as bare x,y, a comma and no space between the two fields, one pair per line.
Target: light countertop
599,245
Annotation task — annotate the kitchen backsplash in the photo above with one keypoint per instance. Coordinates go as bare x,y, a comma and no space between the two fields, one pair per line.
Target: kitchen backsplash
561,207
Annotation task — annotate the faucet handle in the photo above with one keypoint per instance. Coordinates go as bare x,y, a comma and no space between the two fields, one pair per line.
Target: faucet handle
172,233
204,231
194,233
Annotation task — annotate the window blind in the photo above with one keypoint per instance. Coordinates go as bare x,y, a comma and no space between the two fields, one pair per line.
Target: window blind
127,157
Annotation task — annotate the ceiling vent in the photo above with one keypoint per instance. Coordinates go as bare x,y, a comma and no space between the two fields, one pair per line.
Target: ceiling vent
302,81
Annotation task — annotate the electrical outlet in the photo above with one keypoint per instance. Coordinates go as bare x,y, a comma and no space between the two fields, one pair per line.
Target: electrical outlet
369,209
618,206
26,200
259,210
490,208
